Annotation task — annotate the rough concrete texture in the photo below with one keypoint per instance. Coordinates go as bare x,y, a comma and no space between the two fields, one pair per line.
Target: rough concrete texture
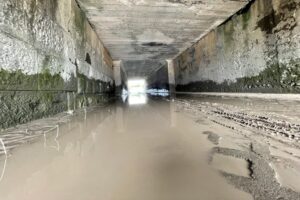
18,107
47,45
22,106
256,50
135,30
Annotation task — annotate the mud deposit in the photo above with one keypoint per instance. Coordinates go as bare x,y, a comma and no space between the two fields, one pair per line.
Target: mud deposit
159,150
265,141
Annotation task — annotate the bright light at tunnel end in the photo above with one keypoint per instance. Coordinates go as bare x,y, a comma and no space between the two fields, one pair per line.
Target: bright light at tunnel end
137,91
137,86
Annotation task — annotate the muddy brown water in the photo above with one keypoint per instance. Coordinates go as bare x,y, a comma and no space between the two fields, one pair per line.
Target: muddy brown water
122,152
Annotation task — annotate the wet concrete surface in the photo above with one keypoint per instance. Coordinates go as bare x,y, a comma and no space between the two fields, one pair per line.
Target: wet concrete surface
263,132
156,149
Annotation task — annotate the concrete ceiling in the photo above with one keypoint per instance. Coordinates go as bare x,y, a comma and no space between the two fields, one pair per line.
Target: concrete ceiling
151,31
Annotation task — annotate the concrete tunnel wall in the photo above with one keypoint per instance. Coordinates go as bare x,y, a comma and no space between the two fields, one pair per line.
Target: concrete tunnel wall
159,79
256,50
51,60
120,77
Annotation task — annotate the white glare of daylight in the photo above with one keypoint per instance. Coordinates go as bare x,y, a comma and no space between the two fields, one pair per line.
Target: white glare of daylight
137,99
137,86
158,92
124,95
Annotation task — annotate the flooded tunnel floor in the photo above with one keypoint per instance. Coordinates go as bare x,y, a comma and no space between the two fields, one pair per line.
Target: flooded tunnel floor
162,150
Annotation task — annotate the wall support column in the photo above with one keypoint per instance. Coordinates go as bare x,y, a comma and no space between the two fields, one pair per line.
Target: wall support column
117,77
171,76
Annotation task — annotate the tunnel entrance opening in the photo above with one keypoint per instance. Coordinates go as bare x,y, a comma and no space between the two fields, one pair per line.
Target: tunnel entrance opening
137,91
137,86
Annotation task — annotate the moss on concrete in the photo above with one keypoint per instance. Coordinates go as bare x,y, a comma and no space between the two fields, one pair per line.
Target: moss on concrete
246,19
277,78
81,83
17,81
91,86
54,81
228,31
47,81
19,107
92,99
27,97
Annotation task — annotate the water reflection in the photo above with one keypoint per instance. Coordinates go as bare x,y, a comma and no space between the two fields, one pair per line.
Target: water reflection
137,99
158,92
120,118
119,152
56,145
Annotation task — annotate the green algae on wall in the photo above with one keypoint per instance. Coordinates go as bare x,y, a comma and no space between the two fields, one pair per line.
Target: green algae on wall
228,31
281,77
48,81
81,83
87,100
92,86
17,80
246,19
19,107
277,78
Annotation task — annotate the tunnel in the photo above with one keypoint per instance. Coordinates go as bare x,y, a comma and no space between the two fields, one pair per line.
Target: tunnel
150,99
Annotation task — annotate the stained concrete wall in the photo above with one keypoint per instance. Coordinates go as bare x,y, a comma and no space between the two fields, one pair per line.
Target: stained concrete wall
120,77
124,79
256,50
51,60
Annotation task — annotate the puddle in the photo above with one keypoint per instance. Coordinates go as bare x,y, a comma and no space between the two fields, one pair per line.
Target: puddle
147,152
231,165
